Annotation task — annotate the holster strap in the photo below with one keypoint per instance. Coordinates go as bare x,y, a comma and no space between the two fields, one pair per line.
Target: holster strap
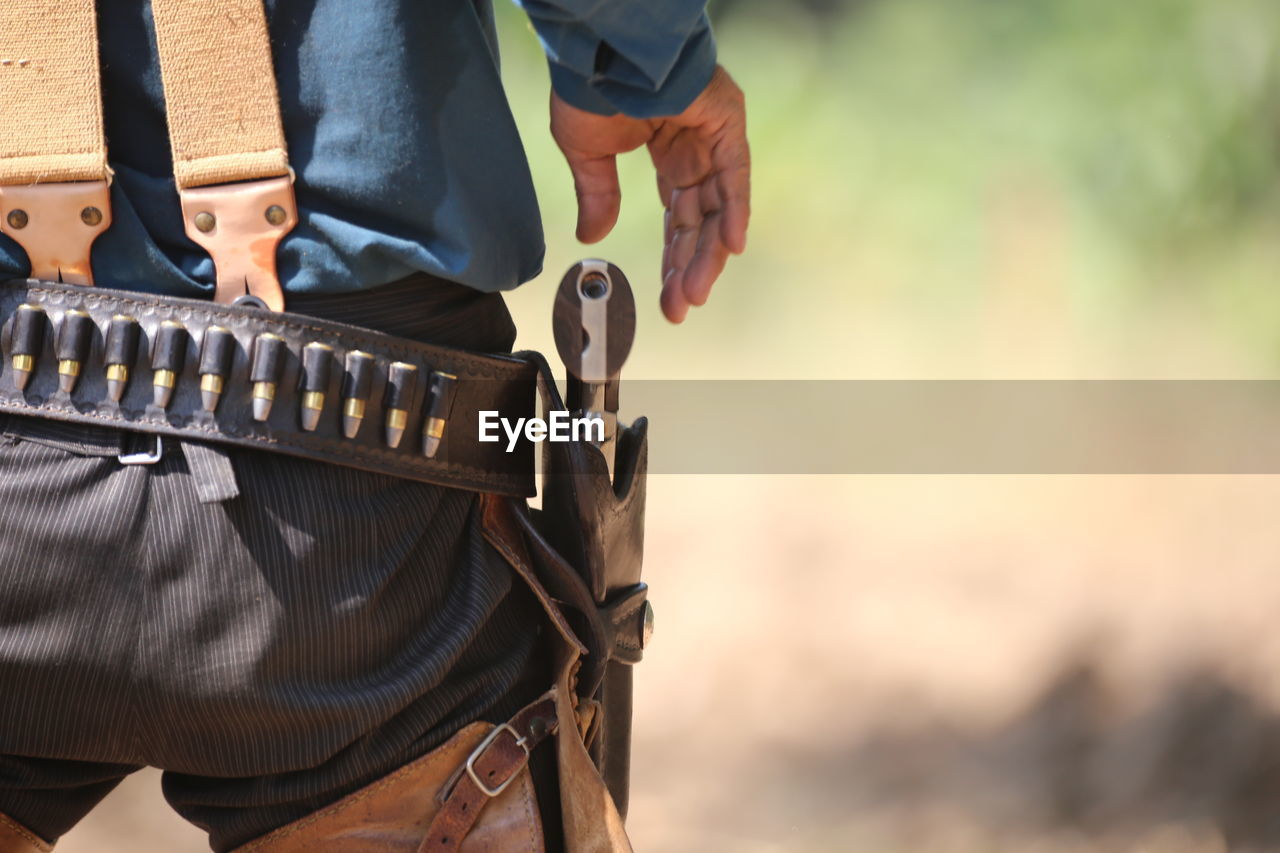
488,770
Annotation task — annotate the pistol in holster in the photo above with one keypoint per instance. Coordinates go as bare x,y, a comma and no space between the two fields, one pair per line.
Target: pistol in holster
592,515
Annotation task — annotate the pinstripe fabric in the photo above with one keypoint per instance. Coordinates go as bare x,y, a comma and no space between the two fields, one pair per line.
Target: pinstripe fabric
271,652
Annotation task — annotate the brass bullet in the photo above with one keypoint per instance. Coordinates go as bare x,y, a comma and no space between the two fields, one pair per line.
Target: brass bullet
397,420
121,351
68,373
352,416
440,396
26,341
357,384
268,363
167,358
162,382
264,394
117,379
312,406
317,364
432,433
22,367
75,337
216,353
402,381
211,385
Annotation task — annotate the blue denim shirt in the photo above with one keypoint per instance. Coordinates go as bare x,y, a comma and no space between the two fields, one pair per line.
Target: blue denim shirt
405,150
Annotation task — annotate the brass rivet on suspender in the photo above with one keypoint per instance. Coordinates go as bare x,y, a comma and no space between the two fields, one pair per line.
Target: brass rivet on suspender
91,216
18,219
204,221
276,215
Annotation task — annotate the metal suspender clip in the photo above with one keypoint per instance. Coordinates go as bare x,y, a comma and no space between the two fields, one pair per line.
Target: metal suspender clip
56,225
240,226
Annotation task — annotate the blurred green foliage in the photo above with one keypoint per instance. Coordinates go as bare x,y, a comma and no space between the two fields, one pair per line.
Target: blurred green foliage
972,187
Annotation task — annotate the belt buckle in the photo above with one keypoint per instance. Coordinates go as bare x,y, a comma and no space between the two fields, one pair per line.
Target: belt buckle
494,791
146,457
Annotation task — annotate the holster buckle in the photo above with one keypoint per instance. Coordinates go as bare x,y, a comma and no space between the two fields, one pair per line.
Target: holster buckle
493,791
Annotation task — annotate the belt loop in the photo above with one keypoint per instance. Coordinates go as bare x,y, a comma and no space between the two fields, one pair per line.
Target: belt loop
212,472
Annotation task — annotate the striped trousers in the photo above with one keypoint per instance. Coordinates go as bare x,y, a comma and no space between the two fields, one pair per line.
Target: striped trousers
271,651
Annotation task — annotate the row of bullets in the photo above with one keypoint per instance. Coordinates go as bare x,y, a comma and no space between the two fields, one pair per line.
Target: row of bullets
217,349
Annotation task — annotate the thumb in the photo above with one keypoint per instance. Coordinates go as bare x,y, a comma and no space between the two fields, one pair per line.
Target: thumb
595,180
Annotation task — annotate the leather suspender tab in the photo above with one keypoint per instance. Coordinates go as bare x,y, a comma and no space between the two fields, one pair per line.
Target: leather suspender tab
241,226
56,224
54,199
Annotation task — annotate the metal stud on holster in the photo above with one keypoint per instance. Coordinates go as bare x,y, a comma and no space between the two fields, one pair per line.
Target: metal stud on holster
402,381
216,352
317,363
75,336
356,385
123,335
168,355
268,362
25,342
440,397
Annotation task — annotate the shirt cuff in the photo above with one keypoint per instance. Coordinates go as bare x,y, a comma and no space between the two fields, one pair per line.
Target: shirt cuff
604,92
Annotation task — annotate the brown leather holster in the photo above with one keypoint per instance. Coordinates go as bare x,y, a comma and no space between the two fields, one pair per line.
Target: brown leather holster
587,543
581,555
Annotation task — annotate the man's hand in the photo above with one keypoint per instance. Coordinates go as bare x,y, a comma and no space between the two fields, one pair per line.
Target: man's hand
704,182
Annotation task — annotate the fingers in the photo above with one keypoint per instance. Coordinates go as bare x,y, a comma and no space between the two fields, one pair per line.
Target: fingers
694,251
731,161
595,181
710,253
734,188
674,306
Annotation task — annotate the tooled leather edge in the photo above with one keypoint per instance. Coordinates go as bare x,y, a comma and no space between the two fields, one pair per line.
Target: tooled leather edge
487,366
446,473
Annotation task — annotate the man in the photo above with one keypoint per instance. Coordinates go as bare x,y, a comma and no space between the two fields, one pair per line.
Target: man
279,645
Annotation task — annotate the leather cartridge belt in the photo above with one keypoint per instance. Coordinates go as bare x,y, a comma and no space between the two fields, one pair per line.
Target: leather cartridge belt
244,376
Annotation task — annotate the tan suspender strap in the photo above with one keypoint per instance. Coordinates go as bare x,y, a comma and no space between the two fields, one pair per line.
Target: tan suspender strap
219,91
229,157
50,96
54,199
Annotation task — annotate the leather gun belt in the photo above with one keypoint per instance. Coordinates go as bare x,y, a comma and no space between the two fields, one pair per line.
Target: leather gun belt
244,376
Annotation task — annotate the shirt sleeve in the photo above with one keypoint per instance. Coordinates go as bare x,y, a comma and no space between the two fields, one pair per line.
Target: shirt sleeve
643,58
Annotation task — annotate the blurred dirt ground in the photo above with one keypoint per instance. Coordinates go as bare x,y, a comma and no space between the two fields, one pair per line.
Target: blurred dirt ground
953,664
